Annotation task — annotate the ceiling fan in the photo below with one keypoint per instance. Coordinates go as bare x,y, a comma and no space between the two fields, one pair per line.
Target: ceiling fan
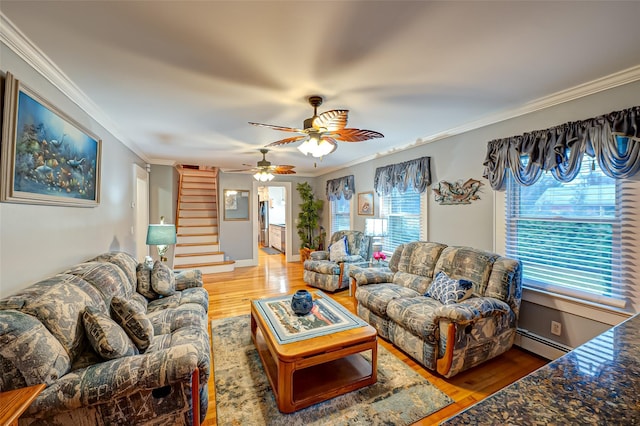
320,133
264,170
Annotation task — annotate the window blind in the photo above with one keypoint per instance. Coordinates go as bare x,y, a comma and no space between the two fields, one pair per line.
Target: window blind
573,238
403,212
340,215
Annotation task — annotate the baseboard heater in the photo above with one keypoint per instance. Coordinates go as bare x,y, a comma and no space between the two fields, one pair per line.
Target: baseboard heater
540,345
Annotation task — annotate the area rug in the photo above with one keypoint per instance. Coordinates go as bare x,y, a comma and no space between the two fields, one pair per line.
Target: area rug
270,250
243,394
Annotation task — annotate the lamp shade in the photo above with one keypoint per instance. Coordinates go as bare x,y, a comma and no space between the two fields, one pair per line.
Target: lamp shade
163,234
376,227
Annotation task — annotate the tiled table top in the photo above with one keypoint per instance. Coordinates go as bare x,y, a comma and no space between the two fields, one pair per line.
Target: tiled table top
597,383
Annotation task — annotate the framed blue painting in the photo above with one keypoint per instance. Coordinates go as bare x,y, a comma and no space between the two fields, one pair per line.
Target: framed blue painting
47,157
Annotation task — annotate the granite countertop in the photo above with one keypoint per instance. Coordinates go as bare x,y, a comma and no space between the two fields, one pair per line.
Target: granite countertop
597,383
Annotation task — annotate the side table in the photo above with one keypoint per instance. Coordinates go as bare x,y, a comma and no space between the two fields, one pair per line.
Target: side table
15,402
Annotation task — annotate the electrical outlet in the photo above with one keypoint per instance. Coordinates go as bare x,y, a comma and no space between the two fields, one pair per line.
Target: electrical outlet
556,328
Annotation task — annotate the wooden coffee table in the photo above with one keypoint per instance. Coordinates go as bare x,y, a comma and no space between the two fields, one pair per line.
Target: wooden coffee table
309,371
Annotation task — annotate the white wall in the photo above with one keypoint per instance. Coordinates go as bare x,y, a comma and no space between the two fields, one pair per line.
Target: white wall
37,240
481,223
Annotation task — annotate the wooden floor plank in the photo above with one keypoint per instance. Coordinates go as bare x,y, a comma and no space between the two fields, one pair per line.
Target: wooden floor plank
230,294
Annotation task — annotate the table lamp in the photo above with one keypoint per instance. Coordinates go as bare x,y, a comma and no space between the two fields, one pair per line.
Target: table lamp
161,236
376,228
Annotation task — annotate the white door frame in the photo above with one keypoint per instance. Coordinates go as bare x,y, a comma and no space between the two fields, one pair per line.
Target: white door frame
140,206
290,254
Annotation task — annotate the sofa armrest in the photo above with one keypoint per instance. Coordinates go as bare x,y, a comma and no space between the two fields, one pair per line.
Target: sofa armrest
471,309
102,382
188,279
319,255
364,276
465,322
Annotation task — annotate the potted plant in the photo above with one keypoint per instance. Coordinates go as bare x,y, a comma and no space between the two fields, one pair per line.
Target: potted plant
308,220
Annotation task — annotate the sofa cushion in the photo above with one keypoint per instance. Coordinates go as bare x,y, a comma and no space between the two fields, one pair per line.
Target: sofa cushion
417,315
58,302
189,278
106,337
418,283
420,258
29,353
124,261
130,315
448,290
143,274
338,250
468,263
376,297
107,278
322,266
163,281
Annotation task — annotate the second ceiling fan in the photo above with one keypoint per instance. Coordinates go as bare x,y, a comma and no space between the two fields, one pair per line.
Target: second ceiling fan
320,133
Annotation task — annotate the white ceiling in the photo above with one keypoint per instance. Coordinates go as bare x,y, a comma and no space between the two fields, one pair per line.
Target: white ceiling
181,79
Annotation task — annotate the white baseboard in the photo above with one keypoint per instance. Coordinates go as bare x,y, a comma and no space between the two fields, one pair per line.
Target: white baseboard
540,345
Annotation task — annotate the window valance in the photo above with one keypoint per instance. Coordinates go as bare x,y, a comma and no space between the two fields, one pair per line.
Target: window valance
414,173
340,187
613,140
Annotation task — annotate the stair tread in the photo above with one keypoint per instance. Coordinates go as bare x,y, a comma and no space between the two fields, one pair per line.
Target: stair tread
209,243
200,265
211,253
196,235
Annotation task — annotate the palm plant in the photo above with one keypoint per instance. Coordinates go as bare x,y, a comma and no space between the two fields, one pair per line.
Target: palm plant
308,217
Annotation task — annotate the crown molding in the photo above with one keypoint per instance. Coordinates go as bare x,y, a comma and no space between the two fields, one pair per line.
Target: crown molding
611,81
15,40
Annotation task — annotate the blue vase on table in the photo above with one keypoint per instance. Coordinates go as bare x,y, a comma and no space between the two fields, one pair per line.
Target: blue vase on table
302,302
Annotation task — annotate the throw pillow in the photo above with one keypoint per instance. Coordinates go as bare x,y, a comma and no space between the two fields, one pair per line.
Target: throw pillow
448,290
143,273
131,316
163,281
338,250
105,336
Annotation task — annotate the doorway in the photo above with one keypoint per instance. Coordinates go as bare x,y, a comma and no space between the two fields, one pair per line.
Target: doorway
276,201
141,211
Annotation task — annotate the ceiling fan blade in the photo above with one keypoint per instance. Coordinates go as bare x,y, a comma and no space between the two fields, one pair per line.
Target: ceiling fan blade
354,135
288,140
239,171
331,120
281,128
284,169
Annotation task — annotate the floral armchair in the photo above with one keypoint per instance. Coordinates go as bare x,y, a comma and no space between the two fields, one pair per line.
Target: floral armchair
329,269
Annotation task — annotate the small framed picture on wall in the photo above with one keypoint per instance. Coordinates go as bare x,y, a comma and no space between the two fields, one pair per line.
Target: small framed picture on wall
365,203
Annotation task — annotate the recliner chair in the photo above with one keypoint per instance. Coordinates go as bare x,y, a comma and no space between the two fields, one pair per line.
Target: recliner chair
329,269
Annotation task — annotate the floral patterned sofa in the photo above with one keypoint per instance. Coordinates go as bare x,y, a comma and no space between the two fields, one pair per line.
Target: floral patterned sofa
450,308
329,269
108,354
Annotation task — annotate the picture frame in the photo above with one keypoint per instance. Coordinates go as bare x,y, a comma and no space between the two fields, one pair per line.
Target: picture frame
47,157
366,205
236,204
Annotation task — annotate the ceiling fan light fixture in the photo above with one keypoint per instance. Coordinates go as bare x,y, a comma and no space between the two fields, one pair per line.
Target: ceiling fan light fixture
263,176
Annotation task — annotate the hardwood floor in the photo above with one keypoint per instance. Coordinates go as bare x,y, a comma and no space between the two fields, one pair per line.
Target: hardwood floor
230,294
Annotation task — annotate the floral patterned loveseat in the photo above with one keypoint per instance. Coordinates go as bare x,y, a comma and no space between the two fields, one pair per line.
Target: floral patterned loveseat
450,308
151,368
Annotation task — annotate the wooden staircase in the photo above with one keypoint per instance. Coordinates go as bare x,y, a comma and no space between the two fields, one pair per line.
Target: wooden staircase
197,222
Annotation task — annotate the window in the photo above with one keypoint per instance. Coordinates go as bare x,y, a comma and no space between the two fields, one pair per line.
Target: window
567,235
340,215
403,212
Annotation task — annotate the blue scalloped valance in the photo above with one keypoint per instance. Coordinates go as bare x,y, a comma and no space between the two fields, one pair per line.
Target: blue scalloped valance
340,187
413,173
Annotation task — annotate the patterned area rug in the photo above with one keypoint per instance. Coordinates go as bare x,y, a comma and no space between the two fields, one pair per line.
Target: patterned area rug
244,397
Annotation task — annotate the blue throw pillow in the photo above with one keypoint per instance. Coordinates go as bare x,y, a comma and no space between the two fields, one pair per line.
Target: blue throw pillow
447,290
